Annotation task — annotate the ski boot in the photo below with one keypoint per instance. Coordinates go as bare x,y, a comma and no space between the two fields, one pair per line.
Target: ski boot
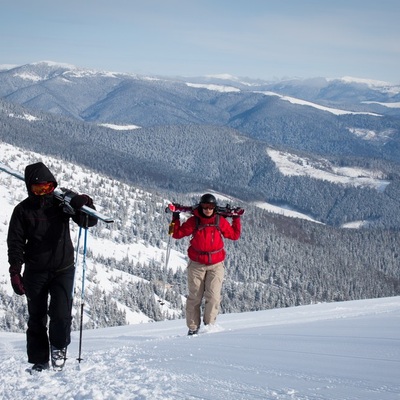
39,367
58,358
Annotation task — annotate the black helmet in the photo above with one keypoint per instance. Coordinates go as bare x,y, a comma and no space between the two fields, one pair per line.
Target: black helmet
208,198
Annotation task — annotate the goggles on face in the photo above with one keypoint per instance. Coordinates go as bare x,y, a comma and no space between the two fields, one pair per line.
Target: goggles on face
207,206
42,188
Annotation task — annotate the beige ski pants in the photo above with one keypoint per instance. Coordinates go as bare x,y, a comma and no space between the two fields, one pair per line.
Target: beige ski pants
203,280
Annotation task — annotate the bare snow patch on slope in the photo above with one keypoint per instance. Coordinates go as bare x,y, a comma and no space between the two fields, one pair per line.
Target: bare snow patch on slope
285,211
382,86
120,127
217,88
294,165
368,134
389,105
25,116
355,224
334,111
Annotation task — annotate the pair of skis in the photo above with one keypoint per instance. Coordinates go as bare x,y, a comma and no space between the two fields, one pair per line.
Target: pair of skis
226,211
63,195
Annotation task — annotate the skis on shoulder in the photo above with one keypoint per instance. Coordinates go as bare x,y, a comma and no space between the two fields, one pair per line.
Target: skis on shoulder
64,195
227,211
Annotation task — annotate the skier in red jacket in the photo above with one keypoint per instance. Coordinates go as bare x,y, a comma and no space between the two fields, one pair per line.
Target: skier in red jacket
206,258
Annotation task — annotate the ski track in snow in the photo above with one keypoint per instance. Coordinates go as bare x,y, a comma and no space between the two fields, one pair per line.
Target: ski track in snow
334,351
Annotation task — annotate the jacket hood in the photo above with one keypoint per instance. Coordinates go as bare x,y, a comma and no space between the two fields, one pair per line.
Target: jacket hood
36,173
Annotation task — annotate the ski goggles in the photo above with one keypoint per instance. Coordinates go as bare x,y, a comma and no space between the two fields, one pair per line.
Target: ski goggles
42,188
207,206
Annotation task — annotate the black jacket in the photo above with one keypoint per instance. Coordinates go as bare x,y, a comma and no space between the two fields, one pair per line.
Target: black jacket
38,233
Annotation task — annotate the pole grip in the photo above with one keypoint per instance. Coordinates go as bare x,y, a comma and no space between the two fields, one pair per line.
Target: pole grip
171,228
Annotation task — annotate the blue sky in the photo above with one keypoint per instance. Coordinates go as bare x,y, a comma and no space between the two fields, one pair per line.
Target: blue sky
264,39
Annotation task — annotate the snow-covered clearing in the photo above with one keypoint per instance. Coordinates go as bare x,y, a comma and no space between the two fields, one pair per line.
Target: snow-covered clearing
294,165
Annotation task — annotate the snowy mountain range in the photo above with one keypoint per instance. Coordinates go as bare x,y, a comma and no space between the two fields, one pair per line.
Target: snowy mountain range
250,106
220,132
340,90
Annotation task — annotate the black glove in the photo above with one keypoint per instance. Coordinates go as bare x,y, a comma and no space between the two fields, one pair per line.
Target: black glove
80,200
176,216
16,279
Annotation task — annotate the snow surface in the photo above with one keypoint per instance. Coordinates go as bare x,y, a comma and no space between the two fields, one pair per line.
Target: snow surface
336,351
120,127
287,212
294,165
389,105
372,83
6,67
334,111
109,246
217,88
25,116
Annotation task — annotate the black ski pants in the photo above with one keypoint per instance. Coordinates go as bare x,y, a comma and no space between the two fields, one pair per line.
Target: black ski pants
39,286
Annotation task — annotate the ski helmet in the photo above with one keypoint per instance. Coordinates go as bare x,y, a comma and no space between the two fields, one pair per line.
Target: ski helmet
208,198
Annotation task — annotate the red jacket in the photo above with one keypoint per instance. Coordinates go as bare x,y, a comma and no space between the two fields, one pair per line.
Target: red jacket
207,245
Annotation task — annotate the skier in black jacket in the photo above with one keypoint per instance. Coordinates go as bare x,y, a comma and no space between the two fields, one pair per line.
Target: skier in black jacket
39,237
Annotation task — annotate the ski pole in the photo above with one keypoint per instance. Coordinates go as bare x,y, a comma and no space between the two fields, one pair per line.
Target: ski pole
75,266
170,231
83,290
167,254
76,257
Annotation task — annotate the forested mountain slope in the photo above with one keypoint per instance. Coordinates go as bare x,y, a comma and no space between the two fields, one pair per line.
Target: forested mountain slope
278,261
185,158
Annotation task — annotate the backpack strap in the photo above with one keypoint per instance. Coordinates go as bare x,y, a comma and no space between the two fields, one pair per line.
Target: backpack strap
209,253
202,226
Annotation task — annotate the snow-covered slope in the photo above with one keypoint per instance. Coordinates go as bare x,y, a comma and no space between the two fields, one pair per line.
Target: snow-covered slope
301,102
294,165
109,241
347,350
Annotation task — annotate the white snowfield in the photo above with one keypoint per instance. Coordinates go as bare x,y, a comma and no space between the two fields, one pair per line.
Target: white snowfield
336,351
